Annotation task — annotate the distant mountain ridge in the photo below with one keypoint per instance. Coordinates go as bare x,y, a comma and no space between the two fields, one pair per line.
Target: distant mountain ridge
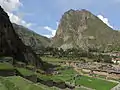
77,29
82,29
30,38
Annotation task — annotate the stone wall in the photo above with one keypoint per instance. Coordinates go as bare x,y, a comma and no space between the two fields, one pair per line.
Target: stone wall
61,85
47,82
32,78
6,73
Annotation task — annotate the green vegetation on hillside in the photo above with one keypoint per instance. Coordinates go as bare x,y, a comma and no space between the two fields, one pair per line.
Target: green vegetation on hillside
6,66
32,39
82,29
25,72
95,83
23,84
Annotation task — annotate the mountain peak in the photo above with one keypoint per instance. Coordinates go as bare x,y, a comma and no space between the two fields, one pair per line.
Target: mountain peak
78,26
77,11
77,14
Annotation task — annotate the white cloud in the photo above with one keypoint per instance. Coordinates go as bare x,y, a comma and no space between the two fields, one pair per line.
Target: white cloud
51,30
18,20
57,24
49,36
10,5
105,20
13,5
14,18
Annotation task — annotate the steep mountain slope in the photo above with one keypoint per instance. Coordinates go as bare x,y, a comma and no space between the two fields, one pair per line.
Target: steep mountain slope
82,29
31,38
11,45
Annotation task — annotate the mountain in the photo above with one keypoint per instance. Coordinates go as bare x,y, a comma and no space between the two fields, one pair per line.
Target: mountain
11,45
30,38
82,29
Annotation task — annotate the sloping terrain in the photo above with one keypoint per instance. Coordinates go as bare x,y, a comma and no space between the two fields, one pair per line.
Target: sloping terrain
30,38
11,45
82,29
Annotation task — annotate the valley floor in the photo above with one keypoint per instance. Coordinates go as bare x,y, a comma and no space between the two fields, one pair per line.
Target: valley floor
63,77
86,79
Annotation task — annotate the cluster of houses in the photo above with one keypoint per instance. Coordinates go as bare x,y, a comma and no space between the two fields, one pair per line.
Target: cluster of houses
92,68
115,57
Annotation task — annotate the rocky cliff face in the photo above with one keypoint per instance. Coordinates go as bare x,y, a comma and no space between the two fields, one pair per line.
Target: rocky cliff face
11,44
82,29
32,39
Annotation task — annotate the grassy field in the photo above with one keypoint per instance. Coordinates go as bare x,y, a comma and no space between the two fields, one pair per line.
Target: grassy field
48,88
94,83
23,84
43,77
19,83
90,82
67,75
52,59
6,66
25,72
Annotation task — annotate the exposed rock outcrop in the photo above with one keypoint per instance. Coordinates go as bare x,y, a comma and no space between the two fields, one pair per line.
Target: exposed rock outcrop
82,29
32,39
11,45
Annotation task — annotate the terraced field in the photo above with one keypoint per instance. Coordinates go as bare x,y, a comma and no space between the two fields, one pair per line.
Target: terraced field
67,75
6,66
23,84
95,83
25,72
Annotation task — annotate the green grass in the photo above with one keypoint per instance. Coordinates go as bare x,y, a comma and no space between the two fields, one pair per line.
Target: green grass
6,66
95,83
68,71
30,66
65,75
102,76
68,74
50,78
44,86
25,72
23,84
48,88
43,77
7,85
19,82
80,88
51,59
90,82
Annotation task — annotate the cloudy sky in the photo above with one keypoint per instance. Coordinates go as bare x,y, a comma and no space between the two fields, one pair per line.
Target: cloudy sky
42,16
